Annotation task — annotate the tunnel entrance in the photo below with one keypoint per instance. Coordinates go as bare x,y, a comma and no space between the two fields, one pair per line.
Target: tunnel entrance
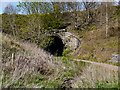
56,46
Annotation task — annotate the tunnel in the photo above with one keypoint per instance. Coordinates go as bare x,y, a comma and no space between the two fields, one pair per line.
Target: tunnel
56,47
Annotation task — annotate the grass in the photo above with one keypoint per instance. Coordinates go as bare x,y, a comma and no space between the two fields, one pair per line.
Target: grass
35,81
66,52
62,68
60,71
96,45
107,85
66,69
34,55
94,76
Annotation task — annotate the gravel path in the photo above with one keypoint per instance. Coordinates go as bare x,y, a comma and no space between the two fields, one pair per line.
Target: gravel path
112,67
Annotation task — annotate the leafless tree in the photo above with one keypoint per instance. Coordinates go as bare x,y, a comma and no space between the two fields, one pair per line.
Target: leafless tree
11,11
106,12
88,6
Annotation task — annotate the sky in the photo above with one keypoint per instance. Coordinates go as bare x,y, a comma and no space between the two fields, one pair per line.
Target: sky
4,3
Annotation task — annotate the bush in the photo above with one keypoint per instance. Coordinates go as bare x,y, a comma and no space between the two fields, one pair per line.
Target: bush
47,41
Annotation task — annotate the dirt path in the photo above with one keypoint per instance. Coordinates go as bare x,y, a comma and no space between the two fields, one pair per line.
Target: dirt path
112,67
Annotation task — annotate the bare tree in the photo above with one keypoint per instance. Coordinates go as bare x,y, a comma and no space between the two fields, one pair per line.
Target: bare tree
88,6
119,3
106,20
11,11
106,12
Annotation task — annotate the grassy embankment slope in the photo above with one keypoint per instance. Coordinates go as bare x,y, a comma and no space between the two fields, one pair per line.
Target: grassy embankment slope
32,67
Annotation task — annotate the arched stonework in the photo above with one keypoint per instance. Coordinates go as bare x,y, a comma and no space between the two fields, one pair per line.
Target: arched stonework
62,40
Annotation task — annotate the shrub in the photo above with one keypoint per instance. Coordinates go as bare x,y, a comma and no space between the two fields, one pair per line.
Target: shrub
47,41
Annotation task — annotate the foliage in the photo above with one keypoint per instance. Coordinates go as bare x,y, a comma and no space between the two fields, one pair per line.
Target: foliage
27,29
47,42
66,52
113,31
34,7
118,10
10,9
49,21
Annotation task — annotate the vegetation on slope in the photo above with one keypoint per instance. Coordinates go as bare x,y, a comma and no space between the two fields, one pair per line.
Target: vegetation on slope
95,45
36,69
26,65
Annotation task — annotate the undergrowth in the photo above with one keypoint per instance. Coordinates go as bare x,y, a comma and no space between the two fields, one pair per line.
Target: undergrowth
94,76
95,45
37,69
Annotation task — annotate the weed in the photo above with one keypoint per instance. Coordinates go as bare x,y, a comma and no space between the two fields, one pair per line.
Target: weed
66,52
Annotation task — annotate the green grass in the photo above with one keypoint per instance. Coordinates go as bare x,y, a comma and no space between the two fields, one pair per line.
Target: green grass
108,84
66,52
72,67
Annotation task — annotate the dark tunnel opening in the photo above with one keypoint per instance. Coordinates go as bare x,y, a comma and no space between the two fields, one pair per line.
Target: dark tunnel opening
56,47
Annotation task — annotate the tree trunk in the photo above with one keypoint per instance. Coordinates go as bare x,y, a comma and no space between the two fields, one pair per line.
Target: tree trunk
106,21
13,31
88,17
75,14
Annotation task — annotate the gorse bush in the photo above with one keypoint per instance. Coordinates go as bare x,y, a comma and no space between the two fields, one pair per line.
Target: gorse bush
46,42
52,21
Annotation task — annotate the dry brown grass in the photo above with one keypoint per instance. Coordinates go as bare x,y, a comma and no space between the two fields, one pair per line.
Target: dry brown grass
93,75
36,60
96,45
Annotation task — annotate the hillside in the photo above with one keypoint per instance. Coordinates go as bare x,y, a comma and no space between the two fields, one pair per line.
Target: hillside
31,67
95,45
35,56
